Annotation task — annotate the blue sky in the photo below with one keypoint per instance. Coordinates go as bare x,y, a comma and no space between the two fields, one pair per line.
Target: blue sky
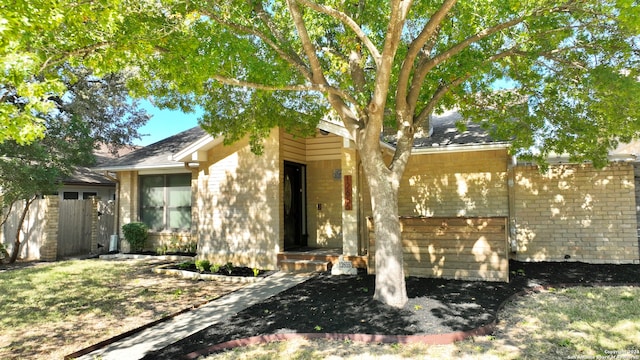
164,123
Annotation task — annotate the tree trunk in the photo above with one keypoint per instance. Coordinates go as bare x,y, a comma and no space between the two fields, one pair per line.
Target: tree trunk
390,284
16,243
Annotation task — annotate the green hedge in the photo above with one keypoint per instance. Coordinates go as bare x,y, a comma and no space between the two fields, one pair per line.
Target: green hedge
136,234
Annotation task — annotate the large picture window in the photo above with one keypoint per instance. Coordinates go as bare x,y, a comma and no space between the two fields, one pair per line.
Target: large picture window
165,201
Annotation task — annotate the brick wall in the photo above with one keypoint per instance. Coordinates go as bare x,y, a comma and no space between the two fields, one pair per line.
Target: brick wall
49,242
454,248
128,200
576,211
238,205
455,184
324,203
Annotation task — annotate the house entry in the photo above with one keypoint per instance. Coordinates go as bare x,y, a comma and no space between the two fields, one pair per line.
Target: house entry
294,197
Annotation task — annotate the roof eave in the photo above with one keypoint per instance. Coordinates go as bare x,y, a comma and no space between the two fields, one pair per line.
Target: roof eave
194,152
139,167
453,148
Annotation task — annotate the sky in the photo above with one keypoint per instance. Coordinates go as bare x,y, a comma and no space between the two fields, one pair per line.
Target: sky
164,123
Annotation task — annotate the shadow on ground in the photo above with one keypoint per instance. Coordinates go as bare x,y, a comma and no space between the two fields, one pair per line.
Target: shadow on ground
344,304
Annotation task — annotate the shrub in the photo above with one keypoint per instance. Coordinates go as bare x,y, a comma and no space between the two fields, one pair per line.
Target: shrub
162,250
185,265
136,234
215,268
203,265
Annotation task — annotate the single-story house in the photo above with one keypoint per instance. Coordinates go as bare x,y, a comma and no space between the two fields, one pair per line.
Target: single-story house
85,183
466,205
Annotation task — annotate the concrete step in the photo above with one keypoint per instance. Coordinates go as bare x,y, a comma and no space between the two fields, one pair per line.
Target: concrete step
297,265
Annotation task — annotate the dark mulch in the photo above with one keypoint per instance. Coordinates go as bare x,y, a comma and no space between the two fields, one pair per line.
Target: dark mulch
237,271
344,304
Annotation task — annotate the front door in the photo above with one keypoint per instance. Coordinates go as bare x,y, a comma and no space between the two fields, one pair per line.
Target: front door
294,210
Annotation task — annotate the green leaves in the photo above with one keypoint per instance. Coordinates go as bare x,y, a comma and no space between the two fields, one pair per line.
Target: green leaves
573,62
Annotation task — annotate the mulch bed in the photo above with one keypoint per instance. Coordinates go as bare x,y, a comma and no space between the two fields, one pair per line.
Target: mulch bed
344,304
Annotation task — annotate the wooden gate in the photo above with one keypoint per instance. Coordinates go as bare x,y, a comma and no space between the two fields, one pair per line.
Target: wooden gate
74,227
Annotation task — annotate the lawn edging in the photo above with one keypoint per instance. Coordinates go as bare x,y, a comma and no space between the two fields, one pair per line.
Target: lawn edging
186,274
428,339
121,256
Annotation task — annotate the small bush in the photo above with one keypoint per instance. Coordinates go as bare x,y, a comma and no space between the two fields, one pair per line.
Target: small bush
185,265
228,267
162,250
203,265
215,268
136,234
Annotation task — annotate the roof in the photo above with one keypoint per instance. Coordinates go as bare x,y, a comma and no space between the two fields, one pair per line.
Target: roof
157,155
445,135
86,176
192,144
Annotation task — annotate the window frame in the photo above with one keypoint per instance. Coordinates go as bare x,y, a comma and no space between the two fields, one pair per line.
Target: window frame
166,209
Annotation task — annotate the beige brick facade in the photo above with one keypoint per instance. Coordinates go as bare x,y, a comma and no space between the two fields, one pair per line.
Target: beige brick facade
576,211
324,203
129,211
453,248
455,184
237,208
238,205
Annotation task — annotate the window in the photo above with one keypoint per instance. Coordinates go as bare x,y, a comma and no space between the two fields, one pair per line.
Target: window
88,195
165,201
70,195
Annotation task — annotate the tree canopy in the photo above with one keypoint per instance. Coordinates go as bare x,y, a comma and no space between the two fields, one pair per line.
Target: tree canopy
253,65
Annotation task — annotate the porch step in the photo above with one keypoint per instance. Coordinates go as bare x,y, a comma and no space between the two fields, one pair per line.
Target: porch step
299,265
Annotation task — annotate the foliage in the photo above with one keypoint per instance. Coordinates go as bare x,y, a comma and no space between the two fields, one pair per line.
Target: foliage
228,267
186,265
94,111
136,234
214,268
571,66
162,249
42,43
203,265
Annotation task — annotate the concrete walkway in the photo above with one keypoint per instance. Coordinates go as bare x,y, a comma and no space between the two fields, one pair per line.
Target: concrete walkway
166,333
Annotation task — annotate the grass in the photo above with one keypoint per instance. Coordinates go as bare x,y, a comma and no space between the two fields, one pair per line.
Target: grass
582,322
54,309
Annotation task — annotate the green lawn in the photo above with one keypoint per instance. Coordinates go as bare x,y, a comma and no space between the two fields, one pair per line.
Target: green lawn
54,309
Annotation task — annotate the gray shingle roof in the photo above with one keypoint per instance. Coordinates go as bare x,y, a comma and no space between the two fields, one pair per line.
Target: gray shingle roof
446,133
156,155
86,176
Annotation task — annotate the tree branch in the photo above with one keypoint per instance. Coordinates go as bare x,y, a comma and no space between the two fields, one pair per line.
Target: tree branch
348,21
292,59
76,52
427,65
336,97
428,32
399,10
442,90
310,87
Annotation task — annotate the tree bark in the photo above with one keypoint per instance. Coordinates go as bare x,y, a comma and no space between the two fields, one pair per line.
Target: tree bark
390,286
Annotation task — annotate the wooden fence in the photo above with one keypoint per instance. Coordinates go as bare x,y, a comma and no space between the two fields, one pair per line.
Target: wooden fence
455,248
54,228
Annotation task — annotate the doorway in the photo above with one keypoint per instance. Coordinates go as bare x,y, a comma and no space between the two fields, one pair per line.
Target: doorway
294,198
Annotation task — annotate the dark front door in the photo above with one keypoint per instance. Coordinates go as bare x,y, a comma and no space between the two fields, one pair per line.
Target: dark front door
294,216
